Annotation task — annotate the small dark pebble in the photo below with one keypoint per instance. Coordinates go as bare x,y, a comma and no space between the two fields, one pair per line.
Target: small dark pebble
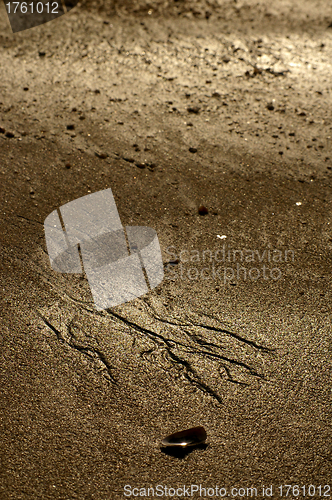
42,53
82,117
184,439
71,127
193,150
130,160
140,165
216,94
2,130
270,106
10,135
193,109
174,262
68,165
103,156
97,91
202,210
26,88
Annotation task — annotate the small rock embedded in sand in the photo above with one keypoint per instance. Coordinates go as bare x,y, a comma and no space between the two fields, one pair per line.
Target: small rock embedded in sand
184,439
101,155
202,210
193,109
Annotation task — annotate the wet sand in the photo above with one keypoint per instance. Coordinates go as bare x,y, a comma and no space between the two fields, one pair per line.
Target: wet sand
87,396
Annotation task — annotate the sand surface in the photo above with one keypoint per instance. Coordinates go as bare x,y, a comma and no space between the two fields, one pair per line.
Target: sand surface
88,395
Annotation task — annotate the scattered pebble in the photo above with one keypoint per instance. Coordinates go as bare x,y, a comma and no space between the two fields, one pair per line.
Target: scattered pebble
193,109
101,155
140,165
71,127
193,150
174,262
10,135
2,130
270,106
67,165
41,53
202,210
184,439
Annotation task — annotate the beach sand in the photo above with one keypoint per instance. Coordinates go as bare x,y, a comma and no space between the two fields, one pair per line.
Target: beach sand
237,337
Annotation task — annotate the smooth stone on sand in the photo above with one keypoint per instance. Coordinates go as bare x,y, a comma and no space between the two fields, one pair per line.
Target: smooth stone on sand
189,437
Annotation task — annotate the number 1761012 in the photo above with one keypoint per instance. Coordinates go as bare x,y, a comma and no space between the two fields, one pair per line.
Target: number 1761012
30,8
